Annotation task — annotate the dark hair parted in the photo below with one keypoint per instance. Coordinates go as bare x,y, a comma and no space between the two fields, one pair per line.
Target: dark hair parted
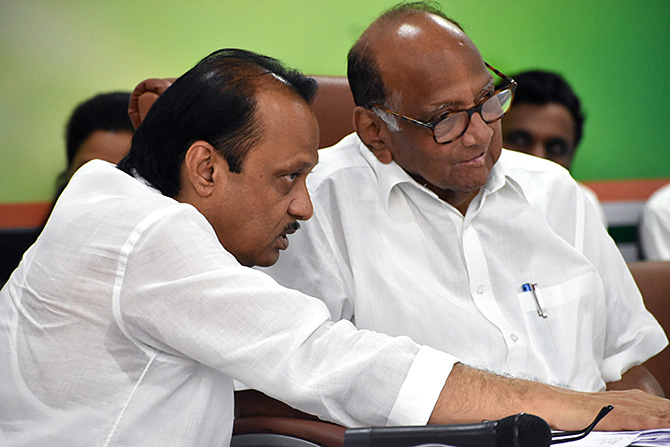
213,102
541,87
105,111
365,78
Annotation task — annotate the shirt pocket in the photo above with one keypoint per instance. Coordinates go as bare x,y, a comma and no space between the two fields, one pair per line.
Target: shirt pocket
570,341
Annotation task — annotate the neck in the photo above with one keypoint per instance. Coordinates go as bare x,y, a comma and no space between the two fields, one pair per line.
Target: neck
458,199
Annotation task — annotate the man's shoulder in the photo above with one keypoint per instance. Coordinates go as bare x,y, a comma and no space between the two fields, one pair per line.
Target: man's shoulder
101,191
342,160
533,172
519,162
101,178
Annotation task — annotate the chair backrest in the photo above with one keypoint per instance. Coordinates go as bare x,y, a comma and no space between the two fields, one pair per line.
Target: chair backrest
13,243
653,280
286,432
333,105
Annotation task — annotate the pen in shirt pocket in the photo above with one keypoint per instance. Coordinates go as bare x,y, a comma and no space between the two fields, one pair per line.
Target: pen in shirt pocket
537,296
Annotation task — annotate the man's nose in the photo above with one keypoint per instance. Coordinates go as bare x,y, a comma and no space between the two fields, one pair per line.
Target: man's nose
538,149
301,205
478,132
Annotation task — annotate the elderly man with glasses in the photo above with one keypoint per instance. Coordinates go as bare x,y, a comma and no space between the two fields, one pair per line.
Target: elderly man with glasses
425,226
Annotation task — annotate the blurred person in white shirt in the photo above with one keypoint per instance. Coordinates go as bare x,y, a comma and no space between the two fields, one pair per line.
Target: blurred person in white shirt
655,226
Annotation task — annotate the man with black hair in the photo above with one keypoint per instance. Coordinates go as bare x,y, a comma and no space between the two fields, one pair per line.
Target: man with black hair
546,120
128,319
424,226
546,98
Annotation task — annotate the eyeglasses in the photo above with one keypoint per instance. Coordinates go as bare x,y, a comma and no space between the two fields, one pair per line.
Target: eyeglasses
568,436
452,126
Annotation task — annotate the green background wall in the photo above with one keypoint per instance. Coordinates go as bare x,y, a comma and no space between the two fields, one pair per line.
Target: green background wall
55,54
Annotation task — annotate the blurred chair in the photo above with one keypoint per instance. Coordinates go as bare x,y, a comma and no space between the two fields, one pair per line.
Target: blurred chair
333,105
259,431
653,280
13,243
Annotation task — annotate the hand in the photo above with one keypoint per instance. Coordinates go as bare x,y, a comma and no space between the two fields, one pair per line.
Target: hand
143,96
633,410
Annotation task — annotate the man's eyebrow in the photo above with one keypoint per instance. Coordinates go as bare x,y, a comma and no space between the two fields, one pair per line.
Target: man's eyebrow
488,87
441,109
295,167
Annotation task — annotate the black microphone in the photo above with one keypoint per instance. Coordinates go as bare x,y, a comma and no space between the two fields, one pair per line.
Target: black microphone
519,430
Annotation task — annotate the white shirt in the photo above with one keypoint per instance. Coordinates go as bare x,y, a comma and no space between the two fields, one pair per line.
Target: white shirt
388,254
655,226
127,321
593,198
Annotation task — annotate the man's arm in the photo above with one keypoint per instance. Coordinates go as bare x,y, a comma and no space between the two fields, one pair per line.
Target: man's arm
637,378
470,395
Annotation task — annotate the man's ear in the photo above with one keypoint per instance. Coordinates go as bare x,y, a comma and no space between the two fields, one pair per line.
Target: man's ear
200,163
369,128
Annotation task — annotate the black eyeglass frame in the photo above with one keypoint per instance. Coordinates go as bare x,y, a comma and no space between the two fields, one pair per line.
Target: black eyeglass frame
511,85
569,436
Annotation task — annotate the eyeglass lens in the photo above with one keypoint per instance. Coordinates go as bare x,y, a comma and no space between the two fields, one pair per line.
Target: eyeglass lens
455,124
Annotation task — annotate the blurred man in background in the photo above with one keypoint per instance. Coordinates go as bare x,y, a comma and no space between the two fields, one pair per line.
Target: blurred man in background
98,128
546,120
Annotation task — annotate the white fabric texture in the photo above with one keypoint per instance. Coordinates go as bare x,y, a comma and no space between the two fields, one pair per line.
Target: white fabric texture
127,321
388,254
655,226
593,198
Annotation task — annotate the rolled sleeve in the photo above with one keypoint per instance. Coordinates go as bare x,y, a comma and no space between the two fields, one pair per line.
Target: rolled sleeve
422,387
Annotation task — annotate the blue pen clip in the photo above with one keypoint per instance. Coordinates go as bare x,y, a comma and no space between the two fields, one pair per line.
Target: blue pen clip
537,296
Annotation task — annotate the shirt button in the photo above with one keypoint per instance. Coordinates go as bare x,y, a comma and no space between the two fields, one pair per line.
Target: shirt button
481,289
514,337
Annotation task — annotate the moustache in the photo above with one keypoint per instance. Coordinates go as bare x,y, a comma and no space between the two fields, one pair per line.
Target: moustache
291,228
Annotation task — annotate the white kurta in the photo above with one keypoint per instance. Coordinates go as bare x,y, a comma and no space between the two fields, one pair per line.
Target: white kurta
655,226
388,254
127,321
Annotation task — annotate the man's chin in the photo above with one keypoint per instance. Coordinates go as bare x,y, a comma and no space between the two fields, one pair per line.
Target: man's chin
268,260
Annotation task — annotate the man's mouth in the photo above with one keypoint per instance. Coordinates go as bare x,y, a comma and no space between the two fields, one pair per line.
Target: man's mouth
474,160
289,229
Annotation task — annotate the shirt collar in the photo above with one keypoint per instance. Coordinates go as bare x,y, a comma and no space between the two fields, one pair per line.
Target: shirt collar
390,175
503,174
137,176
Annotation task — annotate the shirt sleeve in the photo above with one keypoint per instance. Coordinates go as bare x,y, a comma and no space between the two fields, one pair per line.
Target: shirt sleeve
633,335
423,385
181,294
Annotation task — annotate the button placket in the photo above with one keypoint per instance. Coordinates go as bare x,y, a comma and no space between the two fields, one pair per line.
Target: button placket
483,294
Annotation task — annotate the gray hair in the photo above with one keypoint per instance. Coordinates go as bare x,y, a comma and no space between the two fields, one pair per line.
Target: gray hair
392,103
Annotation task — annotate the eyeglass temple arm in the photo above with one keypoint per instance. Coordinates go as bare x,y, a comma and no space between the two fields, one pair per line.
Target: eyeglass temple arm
567,436
500,73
